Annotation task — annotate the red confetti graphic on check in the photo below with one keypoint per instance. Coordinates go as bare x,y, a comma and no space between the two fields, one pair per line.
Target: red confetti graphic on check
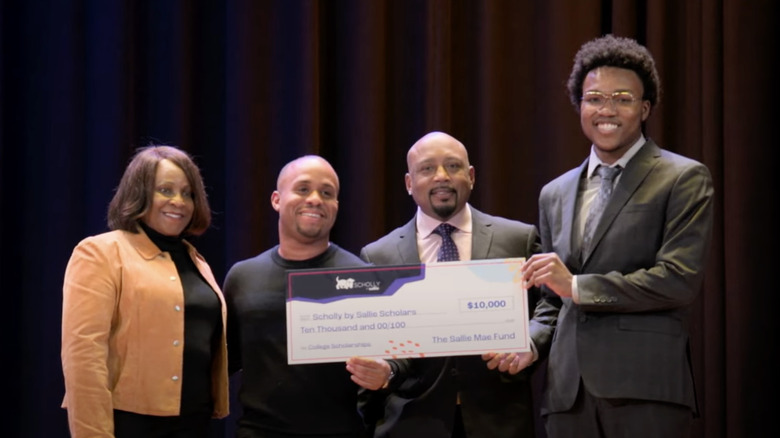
403,349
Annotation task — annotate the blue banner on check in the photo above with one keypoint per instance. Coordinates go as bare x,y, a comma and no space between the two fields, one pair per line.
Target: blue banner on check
325,286
442,309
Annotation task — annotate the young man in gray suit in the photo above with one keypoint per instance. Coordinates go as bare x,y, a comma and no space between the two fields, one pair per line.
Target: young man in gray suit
619,364
452,396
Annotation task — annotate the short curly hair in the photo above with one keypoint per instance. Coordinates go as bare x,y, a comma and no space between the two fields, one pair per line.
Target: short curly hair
133,198
613,51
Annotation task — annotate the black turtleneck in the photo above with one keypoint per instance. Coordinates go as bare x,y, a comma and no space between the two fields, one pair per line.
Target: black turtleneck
202,325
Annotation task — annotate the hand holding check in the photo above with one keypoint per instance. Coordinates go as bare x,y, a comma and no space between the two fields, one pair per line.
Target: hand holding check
369,373
547,269
512,363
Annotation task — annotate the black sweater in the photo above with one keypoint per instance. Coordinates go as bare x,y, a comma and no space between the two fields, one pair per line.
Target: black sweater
202,325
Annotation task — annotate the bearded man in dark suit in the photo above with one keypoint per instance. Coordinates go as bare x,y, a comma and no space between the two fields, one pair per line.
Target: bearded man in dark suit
447,397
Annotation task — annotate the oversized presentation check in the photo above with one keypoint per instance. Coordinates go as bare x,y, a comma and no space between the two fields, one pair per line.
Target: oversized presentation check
408,311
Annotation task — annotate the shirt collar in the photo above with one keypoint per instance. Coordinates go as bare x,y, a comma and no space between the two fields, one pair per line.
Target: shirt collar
426,224
594,161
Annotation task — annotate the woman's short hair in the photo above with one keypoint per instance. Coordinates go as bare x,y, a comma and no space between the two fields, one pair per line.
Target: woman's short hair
613,51
133,197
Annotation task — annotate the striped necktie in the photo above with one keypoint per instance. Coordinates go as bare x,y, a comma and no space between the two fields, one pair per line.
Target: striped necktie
608,175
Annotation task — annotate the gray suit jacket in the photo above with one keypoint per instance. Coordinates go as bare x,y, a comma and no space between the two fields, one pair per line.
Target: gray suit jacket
628,337
423,401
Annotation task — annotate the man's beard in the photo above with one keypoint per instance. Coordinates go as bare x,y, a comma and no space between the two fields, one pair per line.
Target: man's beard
445,211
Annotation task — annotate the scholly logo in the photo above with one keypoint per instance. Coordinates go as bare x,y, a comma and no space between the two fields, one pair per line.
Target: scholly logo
347,283
350,283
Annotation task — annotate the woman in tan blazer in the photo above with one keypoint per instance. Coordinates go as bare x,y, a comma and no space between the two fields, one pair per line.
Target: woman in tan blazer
143,319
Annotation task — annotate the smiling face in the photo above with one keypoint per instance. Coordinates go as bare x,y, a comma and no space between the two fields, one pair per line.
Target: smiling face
440,178
307,201
172,204
613,128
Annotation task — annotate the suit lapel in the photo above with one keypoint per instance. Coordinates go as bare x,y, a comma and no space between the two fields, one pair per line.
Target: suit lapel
569,216
633,175
407,244
481,235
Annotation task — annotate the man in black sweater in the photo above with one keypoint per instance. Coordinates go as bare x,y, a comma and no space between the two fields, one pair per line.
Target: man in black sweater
280,400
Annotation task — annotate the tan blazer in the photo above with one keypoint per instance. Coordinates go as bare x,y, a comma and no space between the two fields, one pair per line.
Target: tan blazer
123,331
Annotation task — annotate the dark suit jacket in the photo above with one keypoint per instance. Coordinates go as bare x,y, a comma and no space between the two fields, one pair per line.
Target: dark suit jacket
628,336
493,404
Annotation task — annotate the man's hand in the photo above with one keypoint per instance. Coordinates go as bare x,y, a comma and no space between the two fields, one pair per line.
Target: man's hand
369,373
548,269
511,363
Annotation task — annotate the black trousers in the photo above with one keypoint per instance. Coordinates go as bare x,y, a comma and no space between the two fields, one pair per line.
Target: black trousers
457,427
593,417
132,425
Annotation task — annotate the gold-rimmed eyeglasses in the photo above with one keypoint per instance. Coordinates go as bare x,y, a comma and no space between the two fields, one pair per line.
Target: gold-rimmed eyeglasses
597,99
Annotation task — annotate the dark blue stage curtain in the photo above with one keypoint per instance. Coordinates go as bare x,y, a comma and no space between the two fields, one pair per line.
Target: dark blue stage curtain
247,85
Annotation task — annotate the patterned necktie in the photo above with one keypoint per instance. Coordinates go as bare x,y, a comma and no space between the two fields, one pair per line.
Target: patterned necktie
608,175
448,251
